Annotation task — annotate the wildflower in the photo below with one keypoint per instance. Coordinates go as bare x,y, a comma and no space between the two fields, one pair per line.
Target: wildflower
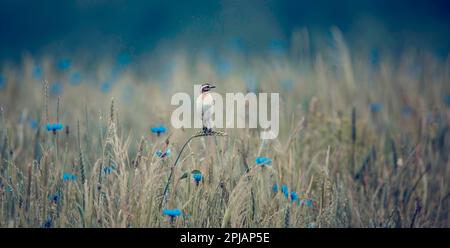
48,223
105,87
54,127
275,188
285,190
262,161
158,130
56,197
109,169
375,107
64,64
161,154
447,99
197,176
67,176
172,213
294,196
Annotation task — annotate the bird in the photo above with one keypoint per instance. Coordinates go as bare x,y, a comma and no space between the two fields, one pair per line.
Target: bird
205,106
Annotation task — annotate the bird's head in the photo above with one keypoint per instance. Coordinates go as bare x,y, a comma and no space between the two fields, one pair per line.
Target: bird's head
206,87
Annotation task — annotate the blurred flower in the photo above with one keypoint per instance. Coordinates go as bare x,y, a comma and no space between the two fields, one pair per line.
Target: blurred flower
375,107
285,190
447,99
197,176
48,223
67,176
64,64
158,130
105,87
262,161
75,78
161,154
37,72
54,127
56,88
2,82
294,196
56,197
275,188
109,169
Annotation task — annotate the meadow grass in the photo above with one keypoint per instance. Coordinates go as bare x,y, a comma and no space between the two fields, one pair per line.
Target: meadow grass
362,143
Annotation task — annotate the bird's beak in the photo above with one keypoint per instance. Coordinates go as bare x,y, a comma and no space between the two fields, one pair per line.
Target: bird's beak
212,86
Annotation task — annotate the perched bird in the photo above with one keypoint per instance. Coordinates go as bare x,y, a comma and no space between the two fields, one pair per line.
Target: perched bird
205,106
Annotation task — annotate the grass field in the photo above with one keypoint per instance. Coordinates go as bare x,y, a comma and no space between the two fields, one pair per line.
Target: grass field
364,141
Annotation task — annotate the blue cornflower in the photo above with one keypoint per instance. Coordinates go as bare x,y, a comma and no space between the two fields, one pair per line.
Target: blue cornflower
56,197
375,107
447,99
67,176
197,176
105,87
275,188
56,89
158,130
109,169
161,154
262,161
64,64
172,213
2,82
54,127
37,72
285,190
48,223
294,196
